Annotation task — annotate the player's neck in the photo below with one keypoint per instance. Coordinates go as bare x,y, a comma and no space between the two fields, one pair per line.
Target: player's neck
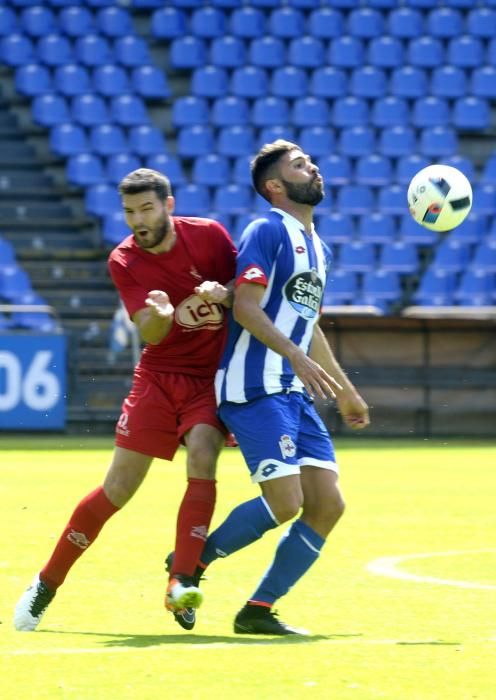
167,244
302,212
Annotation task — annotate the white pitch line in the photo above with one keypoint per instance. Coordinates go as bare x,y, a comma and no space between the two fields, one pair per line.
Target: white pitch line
386,566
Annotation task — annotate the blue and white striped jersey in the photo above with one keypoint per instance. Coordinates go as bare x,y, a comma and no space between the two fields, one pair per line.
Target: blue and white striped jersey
276,252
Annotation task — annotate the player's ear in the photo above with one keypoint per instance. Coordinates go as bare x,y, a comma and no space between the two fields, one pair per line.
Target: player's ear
170,203
273,186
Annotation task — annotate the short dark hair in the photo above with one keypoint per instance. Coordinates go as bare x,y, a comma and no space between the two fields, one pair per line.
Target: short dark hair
262,164
144,180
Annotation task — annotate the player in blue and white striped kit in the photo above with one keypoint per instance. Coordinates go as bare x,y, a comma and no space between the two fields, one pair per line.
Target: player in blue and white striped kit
276,360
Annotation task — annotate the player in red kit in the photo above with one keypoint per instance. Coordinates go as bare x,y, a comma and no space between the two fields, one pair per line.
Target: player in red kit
173,275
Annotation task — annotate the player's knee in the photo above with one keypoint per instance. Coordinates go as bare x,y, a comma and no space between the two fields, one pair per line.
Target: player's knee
202,464
287,508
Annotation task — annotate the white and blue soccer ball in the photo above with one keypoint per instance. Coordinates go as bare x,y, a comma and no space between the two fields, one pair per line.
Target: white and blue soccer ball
439,197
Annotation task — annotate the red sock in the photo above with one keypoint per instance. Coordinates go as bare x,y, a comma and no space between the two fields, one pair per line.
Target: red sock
82,529
193,521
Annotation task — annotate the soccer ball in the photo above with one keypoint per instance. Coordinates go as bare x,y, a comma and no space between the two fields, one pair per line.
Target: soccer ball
439,197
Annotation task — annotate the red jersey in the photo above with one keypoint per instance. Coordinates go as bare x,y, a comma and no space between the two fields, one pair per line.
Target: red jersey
203,251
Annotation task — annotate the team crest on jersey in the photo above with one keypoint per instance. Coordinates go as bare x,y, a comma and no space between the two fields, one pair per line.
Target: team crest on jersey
288,448
194,313
304,292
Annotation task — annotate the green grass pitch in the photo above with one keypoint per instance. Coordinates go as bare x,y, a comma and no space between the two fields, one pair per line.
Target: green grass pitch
415,628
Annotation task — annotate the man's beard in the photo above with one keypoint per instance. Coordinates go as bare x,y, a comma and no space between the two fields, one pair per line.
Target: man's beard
310,193
155,236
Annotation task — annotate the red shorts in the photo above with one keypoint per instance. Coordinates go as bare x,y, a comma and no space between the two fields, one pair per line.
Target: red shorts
161,408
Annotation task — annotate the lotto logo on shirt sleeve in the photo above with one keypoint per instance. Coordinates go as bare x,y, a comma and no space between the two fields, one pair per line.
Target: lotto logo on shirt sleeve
252,273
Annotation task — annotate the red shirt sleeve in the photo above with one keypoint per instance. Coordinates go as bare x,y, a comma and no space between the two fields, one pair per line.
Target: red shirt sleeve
131,292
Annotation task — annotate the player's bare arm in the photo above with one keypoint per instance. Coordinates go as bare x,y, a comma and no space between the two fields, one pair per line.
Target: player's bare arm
155,320
352,407
215,292
250,315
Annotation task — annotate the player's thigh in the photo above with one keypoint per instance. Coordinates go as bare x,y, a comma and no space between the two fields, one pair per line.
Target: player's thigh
125,475
203,443
321,493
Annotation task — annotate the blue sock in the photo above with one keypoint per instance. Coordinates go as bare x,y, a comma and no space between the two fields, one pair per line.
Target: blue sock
298,549
245,524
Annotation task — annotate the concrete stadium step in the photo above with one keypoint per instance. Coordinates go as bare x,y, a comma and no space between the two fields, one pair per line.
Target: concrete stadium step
82,303
33,242
68,274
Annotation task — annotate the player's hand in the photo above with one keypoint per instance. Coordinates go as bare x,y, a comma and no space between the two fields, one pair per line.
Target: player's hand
212,291
353,409
315,379
159,302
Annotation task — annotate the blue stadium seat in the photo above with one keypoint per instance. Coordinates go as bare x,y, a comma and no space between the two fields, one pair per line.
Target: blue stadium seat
50,109
286,22
399,256
233,199
484,199
405,23
386,52
241,170
306,52
114,228
149,81
485,256
229,111
37,21
445,22
93,50
145,140
357,256
31,79
211,170
397,141
14,281
471,231
355,199
8,21
430,111
110,79
68,139
85,169
471,113
187,52
247,22
390,111
189,110
392,199
451,256
235,141
412,232
341,288
289,81
169,165
16,50
131,51
249,81
407,166
310,111
89,109
72,79
267,52
128,110
465,51
193,141
102,200
368,82
381,285
491,52
345,52
54,50
240,223
119,165
481,22
335,227
483,82
335,169
192,200
209,81
356,141
75,21
488,174
438,142
376,227
425,52
317,140
436,288
476,288
7,252
409,82
375,170
228,52
208,22
269,111
327,81
366,23
268,134
448,81
168,23
114,22
350,111
326,23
